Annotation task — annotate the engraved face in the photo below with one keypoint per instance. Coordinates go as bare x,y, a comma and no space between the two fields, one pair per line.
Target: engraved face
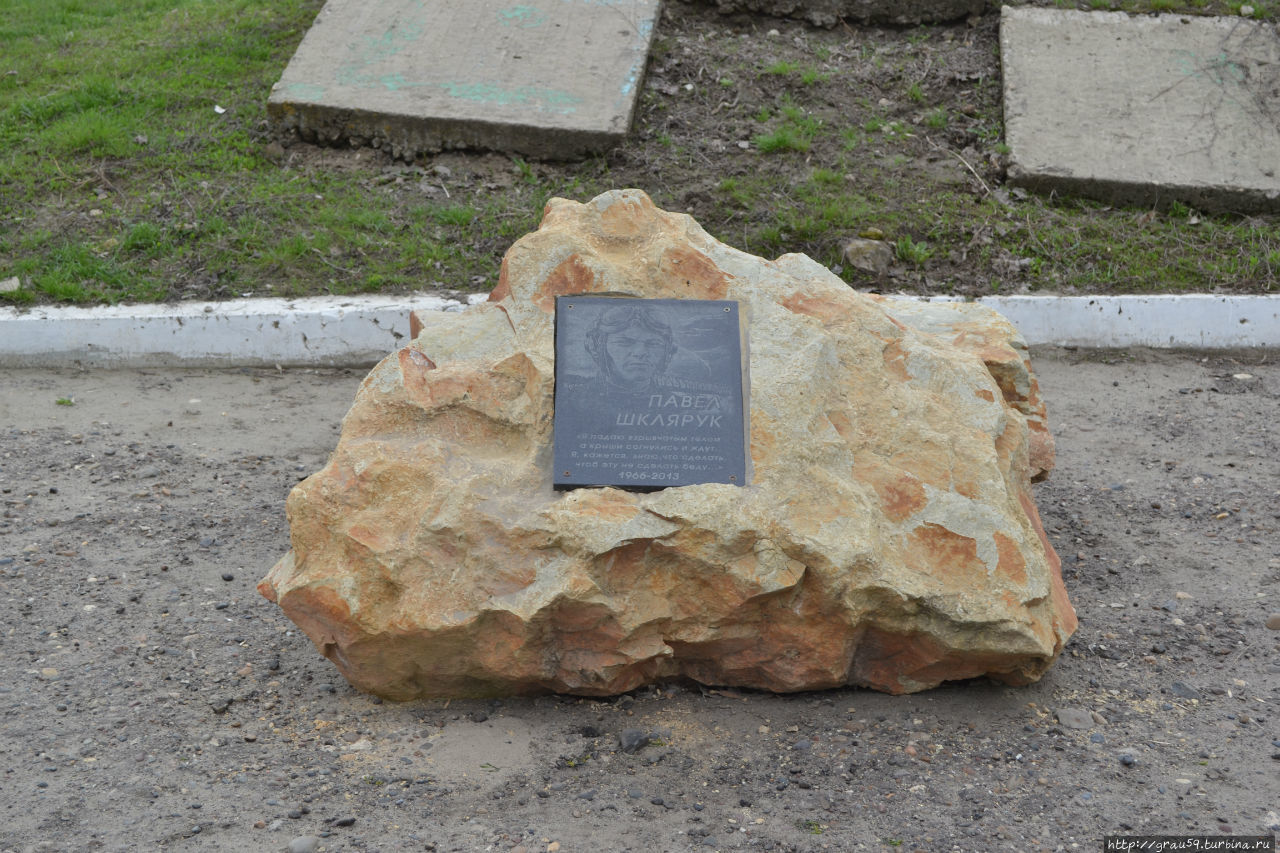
636,354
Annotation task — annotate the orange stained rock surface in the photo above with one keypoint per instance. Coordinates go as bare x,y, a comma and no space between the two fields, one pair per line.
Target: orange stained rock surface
889,537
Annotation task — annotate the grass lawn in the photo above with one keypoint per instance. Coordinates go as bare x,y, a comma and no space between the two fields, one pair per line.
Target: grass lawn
136,164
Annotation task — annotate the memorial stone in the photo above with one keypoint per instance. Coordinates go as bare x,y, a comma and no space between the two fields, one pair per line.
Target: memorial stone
888,536
649,393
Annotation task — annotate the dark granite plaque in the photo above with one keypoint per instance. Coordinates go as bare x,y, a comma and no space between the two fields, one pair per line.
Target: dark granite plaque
650,393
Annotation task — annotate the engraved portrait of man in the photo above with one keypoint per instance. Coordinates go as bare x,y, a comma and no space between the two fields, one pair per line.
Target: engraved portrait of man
631,348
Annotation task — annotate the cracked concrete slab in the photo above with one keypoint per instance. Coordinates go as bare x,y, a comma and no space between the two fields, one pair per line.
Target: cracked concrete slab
545,78
1143,110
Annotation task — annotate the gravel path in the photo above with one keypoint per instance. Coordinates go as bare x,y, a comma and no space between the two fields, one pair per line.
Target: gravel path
151,700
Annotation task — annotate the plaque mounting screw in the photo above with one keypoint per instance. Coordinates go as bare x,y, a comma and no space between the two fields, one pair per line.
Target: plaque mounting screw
726,310
566,473
733,477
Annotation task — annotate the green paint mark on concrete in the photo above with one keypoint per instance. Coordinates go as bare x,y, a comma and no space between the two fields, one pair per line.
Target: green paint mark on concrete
525,17
552,100
304,91
396,82
405,31
401,35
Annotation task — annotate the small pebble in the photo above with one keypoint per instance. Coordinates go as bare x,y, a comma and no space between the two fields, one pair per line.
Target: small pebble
1075,718
1273,621
227,576
304,844
631,740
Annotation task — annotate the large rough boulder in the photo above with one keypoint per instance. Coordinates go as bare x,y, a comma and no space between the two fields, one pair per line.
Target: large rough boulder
887,539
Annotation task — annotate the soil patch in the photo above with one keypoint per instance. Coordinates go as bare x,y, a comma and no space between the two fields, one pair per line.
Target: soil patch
153,700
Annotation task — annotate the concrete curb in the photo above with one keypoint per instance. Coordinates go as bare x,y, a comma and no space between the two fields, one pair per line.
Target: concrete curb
334,331
319,331
1165,322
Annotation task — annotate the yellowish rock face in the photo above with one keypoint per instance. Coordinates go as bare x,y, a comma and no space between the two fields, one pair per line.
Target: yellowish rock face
888,537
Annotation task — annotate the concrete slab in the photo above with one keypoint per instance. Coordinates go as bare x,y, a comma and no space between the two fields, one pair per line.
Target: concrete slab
546,78
1143,110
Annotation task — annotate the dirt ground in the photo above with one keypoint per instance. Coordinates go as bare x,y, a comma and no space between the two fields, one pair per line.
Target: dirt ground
152,700
782,137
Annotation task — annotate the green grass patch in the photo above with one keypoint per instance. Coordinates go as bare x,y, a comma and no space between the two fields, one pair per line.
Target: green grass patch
851,138
912,252
795,132
782,68
136,164
805,74
454,214
784,138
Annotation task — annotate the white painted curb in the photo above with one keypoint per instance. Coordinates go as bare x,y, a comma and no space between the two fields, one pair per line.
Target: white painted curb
318,331
1171,322
361,330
